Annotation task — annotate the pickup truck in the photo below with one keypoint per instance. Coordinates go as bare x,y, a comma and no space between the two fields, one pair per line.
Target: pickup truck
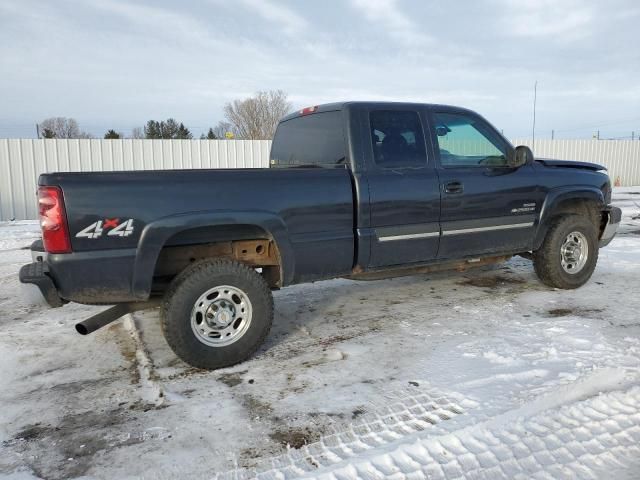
362,190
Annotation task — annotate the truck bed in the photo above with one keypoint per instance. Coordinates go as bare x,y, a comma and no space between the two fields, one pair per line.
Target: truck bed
310,208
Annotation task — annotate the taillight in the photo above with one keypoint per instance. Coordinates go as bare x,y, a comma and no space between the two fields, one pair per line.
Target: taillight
308,110
53,220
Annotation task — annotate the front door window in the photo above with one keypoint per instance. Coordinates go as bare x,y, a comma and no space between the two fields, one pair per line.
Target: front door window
465,141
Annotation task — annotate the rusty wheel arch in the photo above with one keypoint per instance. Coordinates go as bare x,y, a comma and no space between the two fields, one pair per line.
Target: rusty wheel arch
257,253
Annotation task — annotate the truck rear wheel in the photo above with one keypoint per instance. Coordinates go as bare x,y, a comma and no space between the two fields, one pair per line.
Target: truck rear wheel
216,313
568,256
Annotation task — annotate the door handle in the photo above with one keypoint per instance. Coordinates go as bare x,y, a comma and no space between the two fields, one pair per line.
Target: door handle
453,187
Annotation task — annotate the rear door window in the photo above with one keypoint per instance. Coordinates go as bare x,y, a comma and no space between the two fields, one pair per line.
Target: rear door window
309,140
397,139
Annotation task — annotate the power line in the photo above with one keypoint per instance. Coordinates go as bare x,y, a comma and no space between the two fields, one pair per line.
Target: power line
590,127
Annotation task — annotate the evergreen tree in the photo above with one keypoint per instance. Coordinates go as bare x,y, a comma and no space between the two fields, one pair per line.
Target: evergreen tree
169,128
152,129
111,134
183,132
211,135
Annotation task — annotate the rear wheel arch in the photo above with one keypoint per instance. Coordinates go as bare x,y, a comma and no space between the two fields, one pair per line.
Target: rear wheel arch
245,244
206,231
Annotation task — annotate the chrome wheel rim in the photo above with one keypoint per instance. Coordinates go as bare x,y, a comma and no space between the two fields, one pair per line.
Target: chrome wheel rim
574,253
221,316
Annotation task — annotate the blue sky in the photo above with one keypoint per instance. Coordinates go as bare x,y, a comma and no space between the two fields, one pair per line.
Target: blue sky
116,64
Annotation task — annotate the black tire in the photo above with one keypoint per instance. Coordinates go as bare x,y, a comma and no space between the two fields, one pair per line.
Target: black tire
547,260
180,300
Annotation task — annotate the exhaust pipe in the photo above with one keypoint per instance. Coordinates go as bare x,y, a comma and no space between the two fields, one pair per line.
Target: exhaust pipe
112,314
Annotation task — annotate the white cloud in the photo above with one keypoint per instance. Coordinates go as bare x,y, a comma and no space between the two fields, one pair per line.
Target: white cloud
158,21
389,15
287,19
565,20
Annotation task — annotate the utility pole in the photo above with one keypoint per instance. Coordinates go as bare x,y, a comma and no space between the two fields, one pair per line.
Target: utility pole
535,98
37,130
633,135
552,134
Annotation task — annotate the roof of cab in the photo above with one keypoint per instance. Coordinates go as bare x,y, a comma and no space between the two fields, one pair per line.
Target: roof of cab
331,107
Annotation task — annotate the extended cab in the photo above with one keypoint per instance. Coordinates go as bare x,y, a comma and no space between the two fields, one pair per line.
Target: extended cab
356,189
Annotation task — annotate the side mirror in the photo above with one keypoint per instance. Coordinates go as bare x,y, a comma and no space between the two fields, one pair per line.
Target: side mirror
442,130
521,156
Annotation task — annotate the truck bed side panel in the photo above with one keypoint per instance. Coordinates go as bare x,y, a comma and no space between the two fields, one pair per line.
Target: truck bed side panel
314,207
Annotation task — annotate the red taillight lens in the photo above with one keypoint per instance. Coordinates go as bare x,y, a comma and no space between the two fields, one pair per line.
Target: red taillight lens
308,110
53,220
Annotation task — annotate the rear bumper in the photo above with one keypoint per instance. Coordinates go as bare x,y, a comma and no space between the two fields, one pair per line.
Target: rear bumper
96,277
36,273
611,228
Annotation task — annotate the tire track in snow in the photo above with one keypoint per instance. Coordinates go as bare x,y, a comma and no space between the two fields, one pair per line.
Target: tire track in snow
151,390
403,413
574,432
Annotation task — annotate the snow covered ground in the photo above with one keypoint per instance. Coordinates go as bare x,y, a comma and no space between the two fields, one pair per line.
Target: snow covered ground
483,374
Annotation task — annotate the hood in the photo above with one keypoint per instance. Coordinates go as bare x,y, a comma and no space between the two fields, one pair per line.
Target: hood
570,164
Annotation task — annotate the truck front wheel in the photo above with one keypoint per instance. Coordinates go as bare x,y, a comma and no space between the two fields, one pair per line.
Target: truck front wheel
216,313
568,256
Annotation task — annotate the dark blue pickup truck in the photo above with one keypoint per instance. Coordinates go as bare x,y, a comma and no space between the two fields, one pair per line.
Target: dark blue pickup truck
357,189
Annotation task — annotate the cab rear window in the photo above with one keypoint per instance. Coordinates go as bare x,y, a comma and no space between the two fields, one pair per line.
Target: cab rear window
315,140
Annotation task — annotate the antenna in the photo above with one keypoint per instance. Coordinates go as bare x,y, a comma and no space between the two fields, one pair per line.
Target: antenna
535,98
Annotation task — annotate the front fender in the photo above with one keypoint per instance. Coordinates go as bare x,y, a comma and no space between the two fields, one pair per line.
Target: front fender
557,197
155,235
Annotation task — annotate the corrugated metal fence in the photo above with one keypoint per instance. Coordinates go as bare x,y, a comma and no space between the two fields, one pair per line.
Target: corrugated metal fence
22,160
621,157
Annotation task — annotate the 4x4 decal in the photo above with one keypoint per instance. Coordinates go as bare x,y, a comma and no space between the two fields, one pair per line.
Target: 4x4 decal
112,226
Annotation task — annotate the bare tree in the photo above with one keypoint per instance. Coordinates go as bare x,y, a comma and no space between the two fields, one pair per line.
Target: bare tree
256,118
137,132
61,127
224,130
